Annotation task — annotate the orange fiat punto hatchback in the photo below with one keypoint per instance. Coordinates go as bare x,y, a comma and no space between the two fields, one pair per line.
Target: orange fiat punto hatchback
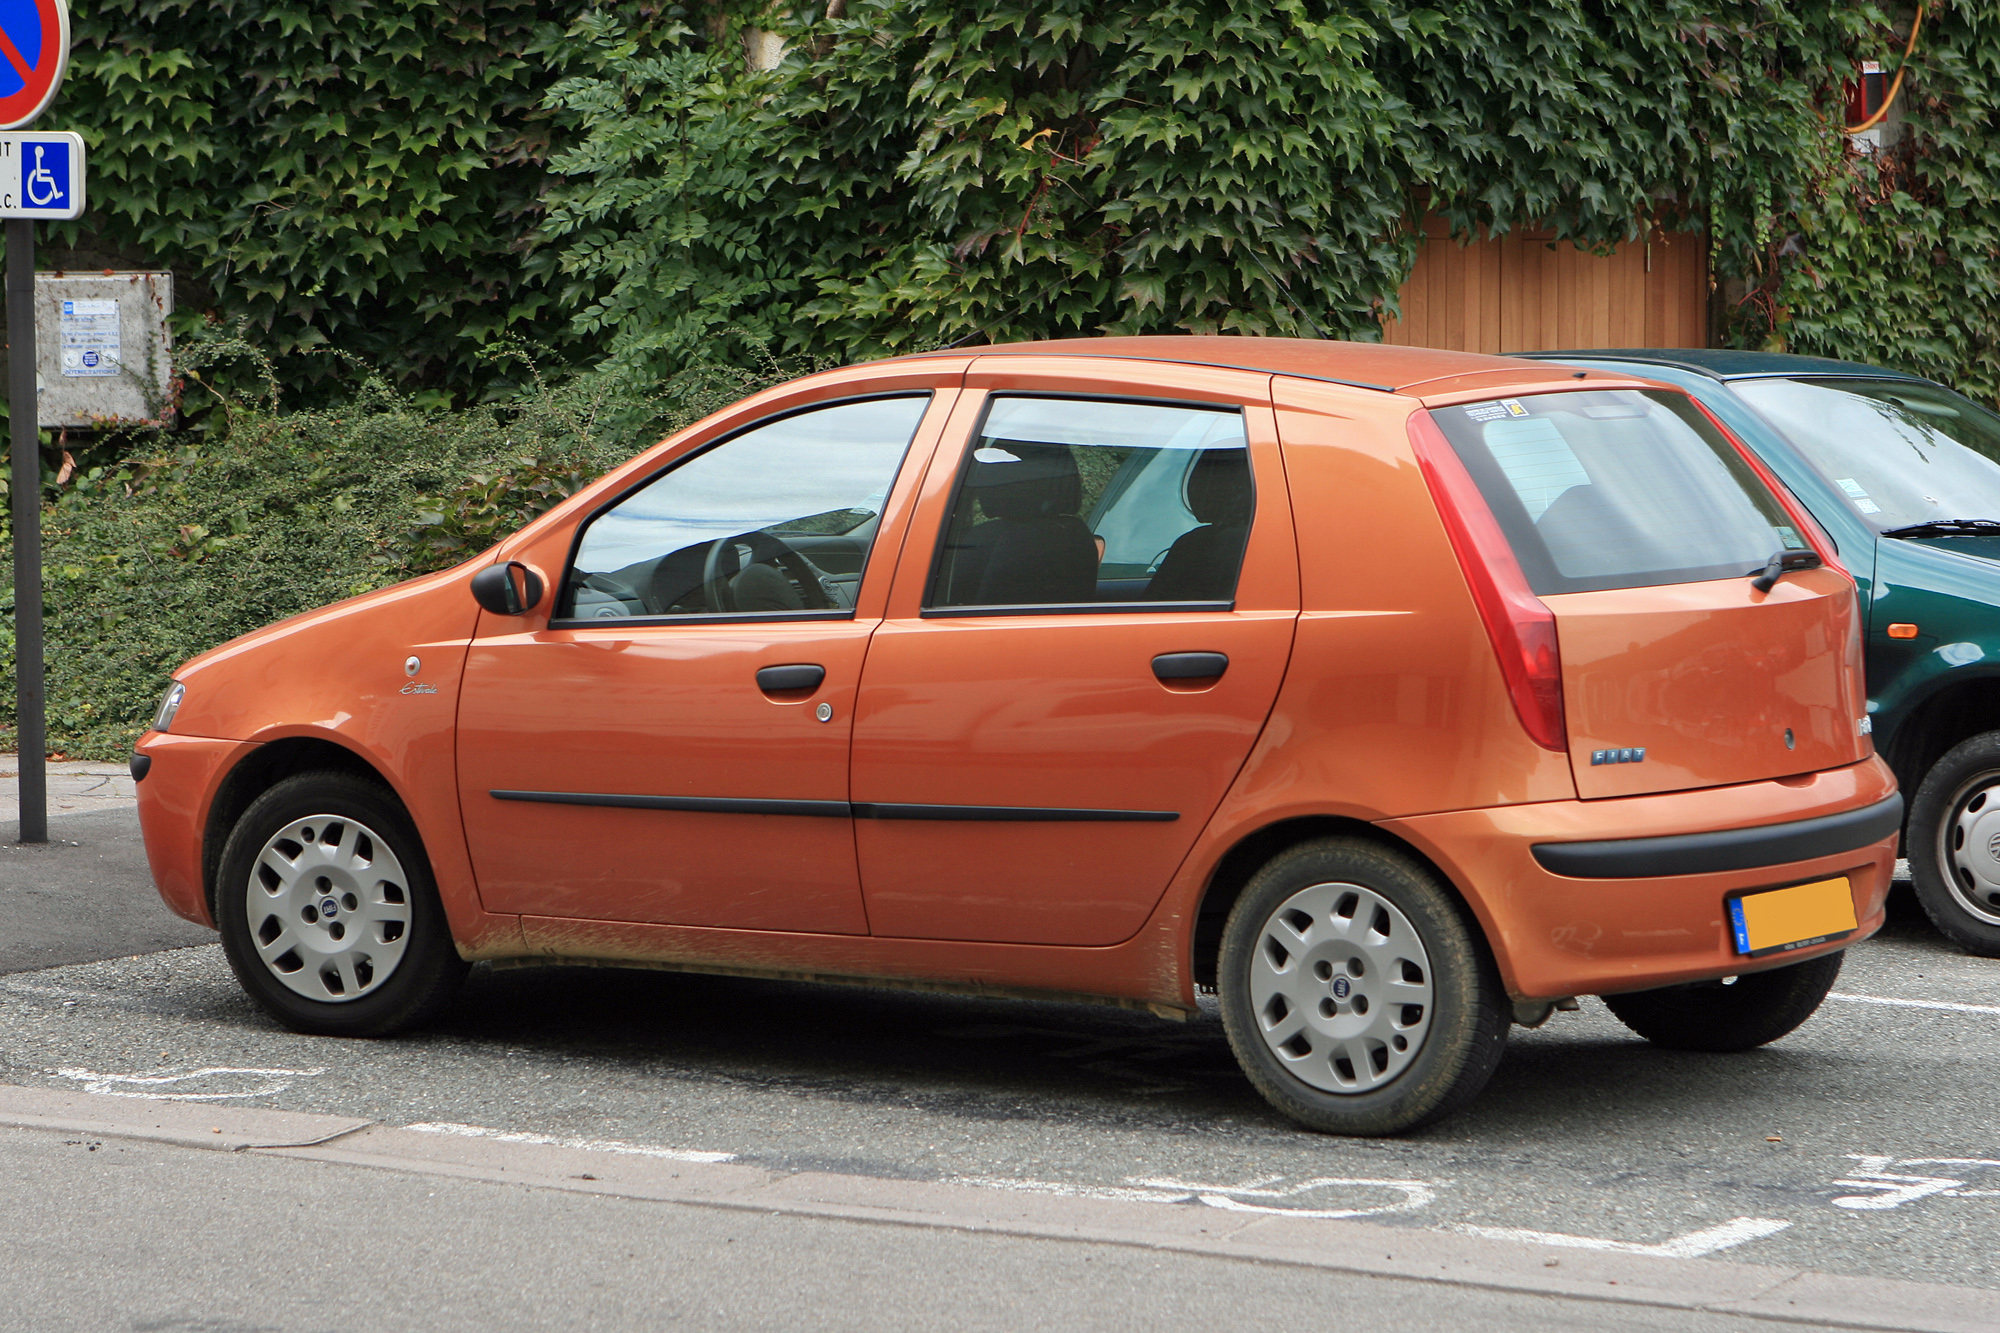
1396,696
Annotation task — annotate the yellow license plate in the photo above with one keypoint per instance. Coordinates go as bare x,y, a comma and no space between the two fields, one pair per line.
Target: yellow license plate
1781,919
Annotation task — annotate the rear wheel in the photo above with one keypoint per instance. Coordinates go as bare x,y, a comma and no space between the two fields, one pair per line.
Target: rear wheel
1954,845
1734,1015
1356,995
327,910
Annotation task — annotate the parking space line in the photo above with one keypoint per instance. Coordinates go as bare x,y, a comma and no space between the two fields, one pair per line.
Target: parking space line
1916,1004
1693,1245
551,1141
162,1087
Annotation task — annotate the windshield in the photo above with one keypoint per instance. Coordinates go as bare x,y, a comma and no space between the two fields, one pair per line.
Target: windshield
1902,453
1617,489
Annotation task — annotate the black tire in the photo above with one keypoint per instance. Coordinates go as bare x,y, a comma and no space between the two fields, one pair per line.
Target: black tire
1459,1036
1754,1010
378,836
1959,887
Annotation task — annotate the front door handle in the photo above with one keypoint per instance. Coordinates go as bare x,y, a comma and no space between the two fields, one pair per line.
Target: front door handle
1190,666
786,679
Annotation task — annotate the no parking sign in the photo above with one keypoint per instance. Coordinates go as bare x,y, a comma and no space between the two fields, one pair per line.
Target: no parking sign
34,53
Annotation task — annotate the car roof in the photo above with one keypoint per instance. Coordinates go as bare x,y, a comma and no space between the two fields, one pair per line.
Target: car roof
1723,363
1377,366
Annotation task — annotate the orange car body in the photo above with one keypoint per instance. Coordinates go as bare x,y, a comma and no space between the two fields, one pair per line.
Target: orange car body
1363,693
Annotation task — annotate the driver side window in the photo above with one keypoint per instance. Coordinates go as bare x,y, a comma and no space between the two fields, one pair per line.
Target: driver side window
775,521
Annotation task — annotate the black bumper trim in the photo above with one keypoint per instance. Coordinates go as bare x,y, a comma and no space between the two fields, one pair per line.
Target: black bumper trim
1729,849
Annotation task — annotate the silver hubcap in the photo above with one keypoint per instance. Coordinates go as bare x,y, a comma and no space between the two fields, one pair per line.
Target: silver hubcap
1341,987
1969,848
328,907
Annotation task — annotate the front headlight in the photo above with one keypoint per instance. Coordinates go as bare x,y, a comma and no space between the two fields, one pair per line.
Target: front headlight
164,719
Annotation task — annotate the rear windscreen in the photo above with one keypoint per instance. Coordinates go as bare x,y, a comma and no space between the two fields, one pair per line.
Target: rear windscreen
1616,488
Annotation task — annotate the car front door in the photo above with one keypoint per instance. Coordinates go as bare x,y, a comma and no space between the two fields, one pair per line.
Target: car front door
1087,632
671,746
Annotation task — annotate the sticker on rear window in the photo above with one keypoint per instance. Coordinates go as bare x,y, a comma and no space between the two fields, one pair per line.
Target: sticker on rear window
1868,506
1852,487
1513,406
1485,412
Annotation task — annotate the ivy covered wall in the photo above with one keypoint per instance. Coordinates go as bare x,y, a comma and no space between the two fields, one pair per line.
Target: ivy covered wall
358,174
416,181
1895,259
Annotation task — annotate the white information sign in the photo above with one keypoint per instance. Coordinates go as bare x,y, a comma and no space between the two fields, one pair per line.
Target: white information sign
41,174
89,333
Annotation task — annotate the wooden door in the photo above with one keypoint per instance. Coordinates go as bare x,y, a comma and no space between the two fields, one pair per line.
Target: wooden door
1527,292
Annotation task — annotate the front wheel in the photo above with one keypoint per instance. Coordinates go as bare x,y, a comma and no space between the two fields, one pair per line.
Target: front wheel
1737,1014
1954,845
328,913
1357,997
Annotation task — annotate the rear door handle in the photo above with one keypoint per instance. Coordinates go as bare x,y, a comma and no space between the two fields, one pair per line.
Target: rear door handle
797,676
1190,666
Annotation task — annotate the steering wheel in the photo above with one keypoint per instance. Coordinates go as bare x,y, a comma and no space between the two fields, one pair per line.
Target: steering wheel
720,594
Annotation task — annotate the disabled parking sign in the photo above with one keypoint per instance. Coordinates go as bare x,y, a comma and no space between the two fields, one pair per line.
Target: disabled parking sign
41,174
34,53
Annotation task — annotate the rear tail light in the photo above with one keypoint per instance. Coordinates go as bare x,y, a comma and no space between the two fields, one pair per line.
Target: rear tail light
1522,629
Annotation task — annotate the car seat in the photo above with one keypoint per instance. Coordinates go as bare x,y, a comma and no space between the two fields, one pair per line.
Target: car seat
1032,549
1202,563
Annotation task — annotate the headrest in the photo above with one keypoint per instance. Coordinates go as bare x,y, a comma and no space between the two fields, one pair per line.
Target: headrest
1218,487
1021,480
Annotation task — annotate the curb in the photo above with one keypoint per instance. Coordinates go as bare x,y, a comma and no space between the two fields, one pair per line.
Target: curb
1763,1292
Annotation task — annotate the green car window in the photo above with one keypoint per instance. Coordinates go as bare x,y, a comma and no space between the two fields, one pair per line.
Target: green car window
1902,453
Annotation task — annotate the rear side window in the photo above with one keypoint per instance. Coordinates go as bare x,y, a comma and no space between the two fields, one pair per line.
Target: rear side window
1617,489
1069,502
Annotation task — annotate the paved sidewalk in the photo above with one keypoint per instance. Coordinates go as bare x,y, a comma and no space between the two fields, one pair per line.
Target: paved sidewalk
76,786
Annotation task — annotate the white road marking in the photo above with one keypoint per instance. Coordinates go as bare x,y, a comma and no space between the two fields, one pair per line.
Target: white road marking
1067,1191
1916,1004
550,1140
160,1087
1416,1194
1256,1196
1691,1246
1894,1189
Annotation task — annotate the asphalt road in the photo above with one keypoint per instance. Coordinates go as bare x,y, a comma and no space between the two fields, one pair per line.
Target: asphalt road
83,895
1865,1144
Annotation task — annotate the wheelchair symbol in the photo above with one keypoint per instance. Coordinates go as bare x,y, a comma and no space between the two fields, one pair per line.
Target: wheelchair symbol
40,184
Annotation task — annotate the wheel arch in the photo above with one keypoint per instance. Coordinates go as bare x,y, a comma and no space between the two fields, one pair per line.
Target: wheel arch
1957,711
1252,851
255,774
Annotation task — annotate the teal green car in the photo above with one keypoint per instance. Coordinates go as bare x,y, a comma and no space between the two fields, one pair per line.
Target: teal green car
1904,475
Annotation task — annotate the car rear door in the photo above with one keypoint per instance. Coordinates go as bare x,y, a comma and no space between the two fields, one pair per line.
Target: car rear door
1074,664
1641,528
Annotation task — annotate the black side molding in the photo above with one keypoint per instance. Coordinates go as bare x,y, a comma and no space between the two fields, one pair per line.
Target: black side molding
141,765
1013,814
714,805
1730,849
733,805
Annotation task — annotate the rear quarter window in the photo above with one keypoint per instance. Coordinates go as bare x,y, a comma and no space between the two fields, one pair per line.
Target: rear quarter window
1617,488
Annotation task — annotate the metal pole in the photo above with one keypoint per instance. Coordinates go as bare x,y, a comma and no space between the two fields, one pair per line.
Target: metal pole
24,422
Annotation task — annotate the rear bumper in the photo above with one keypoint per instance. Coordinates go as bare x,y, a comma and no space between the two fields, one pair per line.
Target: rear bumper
1650,909
1725,849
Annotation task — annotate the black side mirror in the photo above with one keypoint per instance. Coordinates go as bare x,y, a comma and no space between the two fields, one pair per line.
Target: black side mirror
500,590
